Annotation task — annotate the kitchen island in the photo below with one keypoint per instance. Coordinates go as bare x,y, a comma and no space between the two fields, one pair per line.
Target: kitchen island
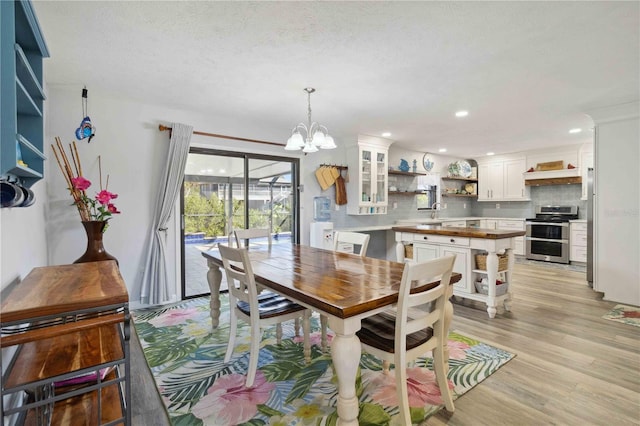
430,241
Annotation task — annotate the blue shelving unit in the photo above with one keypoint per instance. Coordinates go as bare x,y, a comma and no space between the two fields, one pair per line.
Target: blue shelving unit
22,49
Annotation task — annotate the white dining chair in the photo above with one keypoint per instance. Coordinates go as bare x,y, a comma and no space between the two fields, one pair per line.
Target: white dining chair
415,327
244,236
345,242
259,311
351,242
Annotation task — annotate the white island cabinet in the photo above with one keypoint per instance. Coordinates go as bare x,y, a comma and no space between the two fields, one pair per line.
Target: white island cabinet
431,241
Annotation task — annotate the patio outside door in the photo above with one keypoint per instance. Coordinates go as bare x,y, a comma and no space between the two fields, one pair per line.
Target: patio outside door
223,191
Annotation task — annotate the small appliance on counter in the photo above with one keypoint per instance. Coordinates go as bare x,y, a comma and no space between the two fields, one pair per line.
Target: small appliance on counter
548,233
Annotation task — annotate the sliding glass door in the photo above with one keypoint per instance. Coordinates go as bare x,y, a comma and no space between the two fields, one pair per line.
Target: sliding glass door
224,191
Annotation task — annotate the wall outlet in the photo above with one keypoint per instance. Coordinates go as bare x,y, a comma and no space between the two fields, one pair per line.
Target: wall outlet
395,205
497,205
337,208
445,206
464,205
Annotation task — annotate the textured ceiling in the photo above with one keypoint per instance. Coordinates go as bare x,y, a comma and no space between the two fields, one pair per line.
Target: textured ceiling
525,71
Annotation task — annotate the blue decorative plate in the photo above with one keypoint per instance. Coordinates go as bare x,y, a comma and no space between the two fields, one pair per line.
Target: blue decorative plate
427,162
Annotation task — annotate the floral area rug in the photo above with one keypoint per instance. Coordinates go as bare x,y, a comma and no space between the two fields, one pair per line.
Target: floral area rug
625,314
187,360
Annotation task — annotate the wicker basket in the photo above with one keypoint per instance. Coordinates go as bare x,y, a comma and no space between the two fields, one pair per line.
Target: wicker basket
481,262
408,251
483,288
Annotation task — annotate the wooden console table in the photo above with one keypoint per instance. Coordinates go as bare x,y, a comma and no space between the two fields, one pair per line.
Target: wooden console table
68,321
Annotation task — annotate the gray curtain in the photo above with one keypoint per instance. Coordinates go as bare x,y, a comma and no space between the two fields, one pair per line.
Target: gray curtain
155,282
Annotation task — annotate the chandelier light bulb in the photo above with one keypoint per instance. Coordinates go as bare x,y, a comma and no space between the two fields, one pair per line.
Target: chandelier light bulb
309,147
318,138
328,143
295,142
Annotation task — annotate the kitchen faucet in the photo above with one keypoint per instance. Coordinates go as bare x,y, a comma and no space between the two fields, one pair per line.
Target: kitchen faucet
433,210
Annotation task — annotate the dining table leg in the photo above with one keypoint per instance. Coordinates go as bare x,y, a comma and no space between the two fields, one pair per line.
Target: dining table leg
345,353
214,278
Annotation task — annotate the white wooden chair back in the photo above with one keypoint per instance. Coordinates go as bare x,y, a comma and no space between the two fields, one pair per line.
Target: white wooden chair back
351,239
243,235
240,280
429,303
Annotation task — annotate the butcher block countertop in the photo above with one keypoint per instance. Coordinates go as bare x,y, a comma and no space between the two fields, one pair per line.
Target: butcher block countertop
491,234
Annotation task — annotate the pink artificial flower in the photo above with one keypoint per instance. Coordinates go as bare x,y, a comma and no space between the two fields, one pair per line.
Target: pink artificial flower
80,183
457,350
422,388
112,209
105,196
173,317
314,338
228,402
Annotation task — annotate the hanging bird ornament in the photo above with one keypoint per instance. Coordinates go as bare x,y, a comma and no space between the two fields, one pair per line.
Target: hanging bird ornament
86,129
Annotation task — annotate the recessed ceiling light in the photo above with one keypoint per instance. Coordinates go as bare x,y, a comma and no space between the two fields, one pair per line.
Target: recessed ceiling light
222,171
386,134
490,153
442,150
575,130
462,113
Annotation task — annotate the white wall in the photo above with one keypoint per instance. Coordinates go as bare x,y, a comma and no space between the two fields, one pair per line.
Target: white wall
23,238
617,203
132,150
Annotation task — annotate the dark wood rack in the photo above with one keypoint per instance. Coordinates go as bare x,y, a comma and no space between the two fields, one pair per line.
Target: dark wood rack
334,165
401,173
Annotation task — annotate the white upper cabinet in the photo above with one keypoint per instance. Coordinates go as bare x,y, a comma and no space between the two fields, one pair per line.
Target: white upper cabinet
514,188
490,181
367,189
502,180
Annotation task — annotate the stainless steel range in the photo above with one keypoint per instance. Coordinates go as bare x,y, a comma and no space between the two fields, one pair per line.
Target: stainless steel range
548,234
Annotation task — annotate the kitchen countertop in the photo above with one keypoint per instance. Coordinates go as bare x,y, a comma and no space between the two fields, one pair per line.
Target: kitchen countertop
450,219
366,228
491,234
420,221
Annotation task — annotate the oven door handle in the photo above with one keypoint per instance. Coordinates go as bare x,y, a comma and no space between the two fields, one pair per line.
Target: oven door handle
565,224
548,240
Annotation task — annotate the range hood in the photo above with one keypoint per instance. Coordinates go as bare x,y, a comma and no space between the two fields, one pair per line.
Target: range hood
553,177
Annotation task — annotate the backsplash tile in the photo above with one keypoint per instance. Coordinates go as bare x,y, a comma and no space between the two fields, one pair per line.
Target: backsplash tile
566,195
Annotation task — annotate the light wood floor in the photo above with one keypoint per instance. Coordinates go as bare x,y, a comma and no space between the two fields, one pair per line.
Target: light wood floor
572,366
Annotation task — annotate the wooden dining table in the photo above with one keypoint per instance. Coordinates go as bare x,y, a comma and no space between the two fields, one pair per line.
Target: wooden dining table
344,287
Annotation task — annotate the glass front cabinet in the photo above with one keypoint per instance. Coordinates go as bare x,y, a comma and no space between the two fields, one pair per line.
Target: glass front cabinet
367,190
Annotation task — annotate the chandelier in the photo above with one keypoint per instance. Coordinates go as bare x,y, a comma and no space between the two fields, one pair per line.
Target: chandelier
316,135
